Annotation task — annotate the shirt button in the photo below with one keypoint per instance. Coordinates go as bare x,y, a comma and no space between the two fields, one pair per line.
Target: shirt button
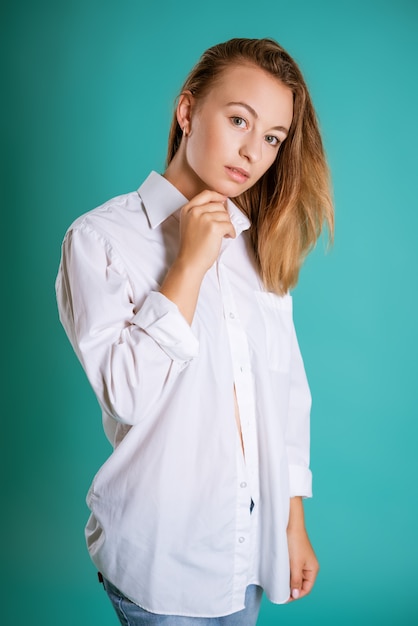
232,316
243,485
241,539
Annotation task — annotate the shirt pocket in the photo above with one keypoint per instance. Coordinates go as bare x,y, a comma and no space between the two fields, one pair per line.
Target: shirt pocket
276,316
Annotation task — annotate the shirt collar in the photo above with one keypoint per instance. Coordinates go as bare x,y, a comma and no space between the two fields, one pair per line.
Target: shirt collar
161,199
239,220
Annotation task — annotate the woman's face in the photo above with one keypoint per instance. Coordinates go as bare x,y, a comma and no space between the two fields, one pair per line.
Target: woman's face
235,131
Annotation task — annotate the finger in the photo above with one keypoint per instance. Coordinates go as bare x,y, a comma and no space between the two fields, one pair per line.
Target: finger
204,197
214,215
222,218
200,210
308,581
296,580
205,216
309,577
231,234
295,592
211,207
306,588
222,224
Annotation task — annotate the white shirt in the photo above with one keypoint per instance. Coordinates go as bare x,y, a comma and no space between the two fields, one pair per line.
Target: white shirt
170,523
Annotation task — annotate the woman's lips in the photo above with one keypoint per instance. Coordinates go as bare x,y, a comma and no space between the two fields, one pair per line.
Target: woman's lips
237,174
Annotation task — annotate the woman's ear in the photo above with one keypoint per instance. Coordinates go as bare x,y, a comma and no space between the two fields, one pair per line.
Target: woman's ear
184,111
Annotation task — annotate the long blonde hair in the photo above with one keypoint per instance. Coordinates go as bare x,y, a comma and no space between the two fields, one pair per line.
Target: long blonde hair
291,202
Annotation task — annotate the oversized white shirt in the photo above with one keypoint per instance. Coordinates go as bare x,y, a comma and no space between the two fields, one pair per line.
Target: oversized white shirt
170,522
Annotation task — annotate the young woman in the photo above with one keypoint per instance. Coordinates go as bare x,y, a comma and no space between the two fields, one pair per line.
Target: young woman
176,301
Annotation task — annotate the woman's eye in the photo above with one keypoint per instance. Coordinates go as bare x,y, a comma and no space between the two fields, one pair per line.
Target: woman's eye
272,140
238,121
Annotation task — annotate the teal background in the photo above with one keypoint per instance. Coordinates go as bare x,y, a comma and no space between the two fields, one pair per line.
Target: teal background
88,91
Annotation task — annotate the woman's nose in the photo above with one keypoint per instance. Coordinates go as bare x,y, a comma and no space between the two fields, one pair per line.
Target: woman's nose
251,149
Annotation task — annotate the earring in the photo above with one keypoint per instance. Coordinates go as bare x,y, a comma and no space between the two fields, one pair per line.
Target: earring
184,130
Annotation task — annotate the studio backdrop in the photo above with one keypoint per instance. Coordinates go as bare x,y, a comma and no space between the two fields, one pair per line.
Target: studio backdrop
88,92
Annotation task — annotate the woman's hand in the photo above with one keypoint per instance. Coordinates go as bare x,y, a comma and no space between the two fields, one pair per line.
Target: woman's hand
304,566
204,222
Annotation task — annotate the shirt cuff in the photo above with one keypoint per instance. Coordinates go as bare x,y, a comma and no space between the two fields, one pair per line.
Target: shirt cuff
300,481
161,319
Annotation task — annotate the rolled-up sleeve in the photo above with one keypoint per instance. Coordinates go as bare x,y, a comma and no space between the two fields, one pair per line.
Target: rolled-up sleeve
132,343
160,318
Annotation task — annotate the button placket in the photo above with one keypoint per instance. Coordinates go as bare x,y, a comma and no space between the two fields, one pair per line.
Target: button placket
243,379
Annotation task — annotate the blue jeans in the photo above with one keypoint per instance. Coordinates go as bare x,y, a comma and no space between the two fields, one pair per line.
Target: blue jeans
130,614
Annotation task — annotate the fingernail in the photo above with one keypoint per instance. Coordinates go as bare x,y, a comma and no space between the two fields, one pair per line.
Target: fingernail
295,593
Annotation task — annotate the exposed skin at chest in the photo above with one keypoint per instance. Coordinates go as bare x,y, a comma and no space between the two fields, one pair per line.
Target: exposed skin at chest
238,421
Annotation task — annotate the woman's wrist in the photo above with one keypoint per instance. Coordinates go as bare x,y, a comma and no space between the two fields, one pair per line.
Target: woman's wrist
296,515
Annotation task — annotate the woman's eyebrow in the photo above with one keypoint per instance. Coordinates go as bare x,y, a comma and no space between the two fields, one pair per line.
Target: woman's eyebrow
246,106
255,114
